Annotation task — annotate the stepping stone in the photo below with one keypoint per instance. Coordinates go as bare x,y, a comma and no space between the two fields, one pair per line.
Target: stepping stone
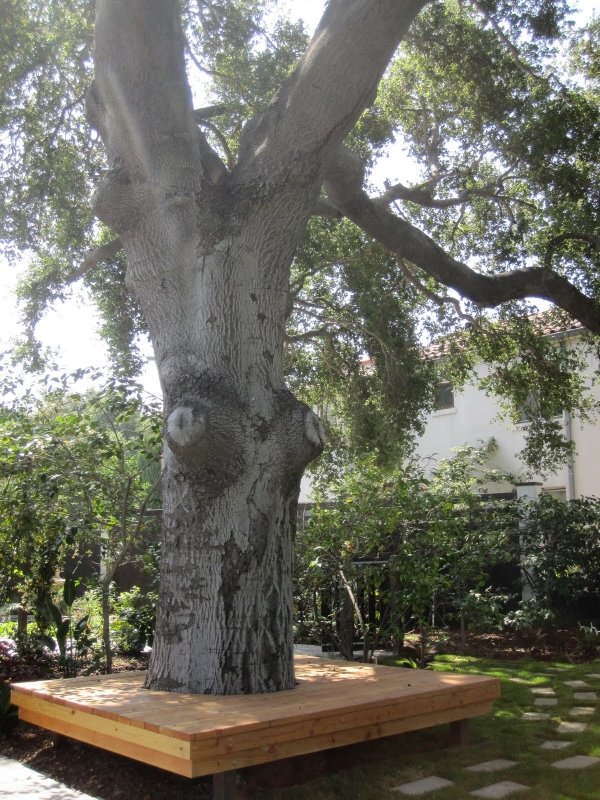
577,684
585,695
499,790
535,716
544,691
571,727
594,675
576,762
555,744
430,784
545,701
581,711
492,766
558,669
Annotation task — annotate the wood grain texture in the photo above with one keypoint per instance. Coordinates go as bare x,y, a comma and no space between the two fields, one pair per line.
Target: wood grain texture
334,704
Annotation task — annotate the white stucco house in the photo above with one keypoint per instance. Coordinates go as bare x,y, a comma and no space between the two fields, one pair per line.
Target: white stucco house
470,417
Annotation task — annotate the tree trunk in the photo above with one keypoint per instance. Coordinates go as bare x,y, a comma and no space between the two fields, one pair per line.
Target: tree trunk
209,255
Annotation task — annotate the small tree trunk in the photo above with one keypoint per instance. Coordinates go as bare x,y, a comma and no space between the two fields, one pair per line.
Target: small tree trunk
346,625
22,621
106,644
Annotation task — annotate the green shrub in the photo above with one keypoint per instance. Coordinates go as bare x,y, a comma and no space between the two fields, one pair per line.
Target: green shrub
135,620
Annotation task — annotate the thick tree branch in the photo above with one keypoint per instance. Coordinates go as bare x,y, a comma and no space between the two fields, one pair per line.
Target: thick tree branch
208,112
94,257
141,104
324,208
311,113
437,299
224,144
344,185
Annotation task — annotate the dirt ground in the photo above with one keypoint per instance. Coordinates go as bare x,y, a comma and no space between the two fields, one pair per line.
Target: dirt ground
110,777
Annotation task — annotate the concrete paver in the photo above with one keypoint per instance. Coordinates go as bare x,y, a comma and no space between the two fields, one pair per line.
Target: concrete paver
582,711
492,766
585,695
535,716
422,786
544,691
555,744
499,790
577,762
545,701
571,727
18,782
577,684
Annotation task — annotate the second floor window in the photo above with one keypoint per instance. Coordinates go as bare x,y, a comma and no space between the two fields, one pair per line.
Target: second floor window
444,396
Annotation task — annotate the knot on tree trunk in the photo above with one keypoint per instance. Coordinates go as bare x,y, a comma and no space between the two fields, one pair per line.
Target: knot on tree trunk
117,200
207,432
298,432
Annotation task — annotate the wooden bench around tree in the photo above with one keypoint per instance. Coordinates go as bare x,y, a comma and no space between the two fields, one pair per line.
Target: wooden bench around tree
335,703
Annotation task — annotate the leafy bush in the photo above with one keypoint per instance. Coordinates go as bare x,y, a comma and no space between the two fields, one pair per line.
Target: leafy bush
561,547
135,620
588,640
25,659
388,550
8,630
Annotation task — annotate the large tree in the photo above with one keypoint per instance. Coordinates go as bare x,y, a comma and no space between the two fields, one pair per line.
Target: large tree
211,216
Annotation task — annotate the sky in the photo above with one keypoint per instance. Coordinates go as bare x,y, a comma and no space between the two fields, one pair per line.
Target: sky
70,327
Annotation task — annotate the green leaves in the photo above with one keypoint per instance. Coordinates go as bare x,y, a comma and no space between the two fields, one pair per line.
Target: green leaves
74,466
422,545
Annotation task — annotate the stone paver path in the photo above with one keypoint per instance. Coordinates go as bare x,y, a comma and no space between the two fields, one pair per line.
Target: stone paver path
492,766
555,744
577,762
499,790
585,695
416,788
535,716
571,727
542,697
581,711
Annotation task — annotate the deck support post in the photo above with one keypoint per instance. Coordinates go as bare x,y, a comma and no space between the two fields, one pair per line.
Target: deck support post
459,732
225,785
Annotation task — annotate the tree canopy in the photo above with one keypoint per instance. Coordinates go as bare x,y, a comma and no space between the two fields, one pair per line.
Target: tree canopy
497,110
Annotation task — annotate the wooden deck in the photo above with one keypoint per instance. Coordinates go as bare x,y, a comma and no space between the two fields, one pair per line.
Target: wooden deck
335,703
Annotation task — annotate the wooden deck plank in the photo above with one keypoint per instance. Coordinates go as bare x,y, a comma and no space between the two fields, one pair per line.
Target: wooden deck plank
334,704
137,751
264,753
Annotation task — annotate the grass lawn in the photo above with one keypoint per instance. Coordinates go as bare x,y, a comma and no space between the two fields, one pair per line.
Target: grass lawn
370,771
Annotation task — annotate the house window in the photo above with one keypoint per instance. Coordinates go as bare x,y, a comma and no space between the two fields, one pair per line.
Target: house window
559,493
529,409
444,396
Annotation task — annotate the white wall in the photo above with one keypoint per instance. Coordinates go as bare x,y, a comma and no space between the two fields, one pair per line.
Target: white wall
475,419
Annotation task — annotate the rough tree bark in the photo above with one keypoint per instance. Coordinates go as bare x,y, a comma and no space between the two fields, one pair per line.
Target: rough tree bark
209,253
